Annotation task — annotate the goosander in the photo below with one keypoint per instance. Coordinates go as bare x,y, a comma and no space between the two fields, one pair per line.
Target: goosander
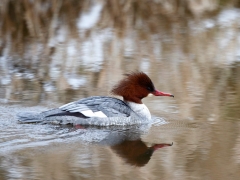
104,110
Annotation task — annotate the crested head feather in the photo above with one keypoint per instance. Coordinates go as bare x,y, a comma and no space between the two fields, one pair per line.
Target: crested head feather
134,87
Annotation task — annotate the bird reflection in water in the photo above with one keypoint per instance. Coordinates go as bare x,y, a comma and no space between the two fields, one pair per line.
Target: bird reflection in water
126,142
136,152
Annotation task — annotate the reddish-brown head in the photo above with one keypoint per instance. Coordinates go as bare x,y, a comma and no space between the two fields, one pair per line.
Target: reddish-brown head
135,87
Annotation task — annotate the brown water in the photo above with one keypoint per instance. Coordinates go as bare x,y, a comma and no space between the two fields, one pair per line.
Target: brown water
54,52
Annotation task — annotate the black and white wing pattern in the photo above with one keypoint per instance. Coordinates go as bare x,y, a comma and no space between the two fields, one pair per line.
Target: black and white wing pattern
98,106
96,110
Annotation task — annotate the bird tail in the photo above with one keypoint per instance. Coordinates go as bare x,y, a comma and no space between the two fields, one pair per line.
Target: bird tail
29,117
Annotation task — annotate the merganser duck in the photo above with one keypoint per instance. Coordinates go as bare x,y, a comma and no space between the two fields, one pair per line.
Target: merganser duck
104,110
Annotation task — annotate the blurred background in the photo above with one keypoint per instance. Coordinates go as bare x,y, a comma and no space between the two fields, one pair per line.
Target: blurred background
65,50
57,51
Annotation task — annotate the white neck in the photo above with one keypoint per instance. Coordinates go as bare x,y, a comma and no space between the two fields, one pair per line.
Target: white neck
140,109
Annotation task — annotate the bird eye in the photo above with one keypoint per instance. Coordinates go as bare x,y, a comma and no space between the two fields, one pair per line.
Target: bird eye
149,88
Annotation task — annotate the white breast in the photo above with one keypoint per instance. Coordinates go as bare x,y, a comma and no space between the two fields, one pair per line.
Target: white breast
140,109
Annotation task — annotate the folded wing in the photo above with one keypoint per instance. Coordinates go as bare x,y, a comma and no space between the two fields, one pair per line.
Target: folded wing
98,106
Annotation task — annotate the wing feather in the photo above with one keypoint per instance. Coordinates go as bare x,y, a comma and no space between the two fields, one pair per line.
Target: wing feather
98,106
